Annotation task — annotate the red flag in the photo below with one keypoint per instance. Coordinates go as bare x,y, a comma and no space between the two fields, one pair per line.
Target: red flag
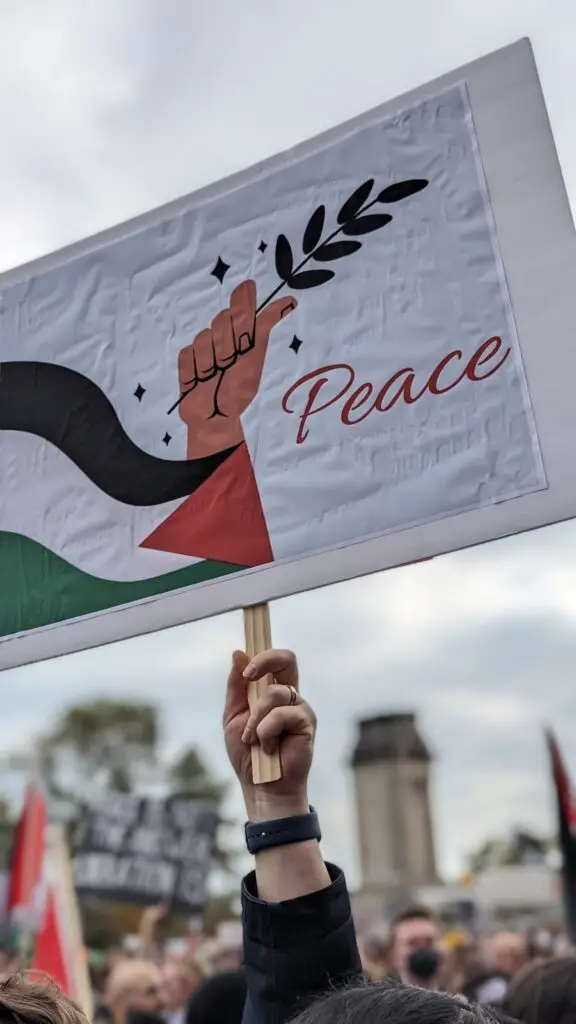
27,855
566,807
50,949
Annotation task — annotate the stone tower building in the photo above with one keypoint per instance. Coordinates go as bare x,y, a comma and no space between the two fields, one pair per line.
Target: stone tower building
391,765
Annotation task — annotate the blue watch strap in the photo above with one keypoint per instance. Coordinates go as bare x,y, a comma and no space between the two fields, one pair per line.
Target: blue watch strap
264,835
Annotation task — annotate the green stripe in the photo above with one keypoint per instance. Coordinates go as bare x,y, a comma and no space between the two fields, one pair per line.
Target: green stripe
38,588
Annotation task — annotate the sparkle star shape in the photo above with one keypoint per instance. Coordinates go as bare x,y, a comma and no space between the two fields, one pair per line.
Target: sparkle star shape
220,269
140,392
166,439
295,344
262,247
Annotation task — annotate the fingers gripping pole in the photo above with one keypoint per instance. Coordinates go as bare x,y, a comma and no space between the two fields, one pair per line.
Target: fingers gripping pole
258,638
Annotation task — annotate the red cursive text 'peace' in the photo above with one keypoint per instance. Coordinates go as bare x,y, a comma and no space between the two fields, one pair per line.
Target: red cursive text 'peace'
338,385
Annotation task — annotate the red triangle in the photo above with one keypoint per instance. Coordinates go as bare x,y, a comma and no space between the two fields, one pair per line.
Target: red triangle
223,520
49,954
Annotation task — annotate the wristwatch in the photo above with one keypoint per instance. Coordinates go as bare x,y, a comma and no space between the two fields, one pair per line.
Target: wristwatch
264,835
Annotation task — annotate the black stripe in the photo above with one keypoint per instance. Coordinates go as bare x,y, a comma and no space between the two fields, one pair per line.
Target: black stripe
71,412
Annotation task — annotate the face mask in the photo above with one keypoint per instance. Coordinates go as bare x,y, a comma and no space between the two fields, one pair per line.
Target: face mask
423,964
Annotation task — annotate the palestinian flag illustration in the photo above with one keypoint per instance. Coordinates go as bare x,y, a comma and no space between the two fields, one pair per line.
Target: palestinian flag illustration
152,524
89,518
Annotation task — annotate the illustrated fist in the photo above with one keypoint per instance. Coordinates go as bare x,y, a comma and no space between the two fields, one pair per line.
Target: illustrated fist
219,373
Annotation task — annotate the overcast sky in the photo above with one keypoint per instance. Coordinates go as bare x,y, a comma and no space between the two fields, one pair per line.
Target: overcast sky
110,107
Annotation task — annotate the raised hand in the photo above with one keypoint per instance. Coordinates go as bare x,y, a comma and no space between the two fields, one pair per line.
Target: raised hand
219,373
275,718
283,872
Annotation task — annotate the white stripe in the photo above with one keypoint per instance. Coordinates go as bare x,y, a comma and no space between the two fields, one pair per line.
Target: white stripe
44,496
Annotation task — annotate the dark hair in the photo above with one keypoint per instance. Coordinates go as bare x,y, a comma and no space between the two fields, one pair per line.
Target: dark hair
219,999
394,1004
544,992
413,913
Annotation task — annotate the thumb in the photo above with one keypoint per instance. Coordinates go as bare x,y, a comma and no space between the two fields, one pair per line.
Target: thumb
236,693
272,315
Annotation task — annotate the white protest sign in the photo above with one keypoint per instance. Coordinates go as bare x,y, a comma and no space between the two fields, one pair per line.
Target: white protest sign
355,355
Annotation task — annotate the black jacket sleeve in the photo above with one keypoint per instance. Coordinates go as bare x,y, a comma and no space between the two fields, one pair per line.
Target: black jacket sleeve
295,950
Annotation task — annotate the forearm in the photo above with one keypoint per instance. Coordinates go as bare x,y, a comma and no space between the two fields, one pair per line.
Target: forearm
299,936
297,949
286,872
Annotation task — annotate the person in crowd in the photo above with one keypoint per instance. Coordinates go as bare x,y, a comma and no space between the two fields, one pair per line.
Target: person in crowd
488,988
461,961
506,952
133,993
416,947
28,1001
375,954
299,938
98,980
220,1000
9,964
179,979
395,1004
227,955
540,943
544,992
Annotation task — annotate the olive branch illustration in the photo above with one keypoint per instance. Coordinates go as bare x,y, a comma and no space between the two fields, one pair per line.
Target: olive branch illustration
353,220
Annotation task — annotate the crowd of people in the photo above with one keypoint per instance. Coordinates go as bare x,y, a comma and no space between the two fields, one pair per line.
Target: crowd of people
301,958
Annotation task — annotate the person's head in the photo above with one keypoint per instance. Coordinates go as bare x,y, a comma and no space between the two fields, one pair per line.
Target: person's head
393,1004
31,1001
375,954
133,992
544,992
227,961
416,946
220,999
179,979
507,952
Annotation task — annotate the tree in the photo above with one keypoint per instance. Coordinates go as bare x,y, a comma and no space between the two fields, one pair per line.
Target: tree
101,745
519,848
188,775
110,745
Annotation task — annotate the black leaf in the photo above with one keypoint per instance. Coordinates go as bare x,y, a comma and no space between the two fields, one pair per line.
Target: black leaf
401,190
314,228
363,225
310,278
336,250
355,202
284,258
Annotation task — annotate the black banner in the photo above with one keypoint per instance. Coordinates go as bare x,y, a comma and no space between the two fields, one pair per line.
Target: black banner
145,850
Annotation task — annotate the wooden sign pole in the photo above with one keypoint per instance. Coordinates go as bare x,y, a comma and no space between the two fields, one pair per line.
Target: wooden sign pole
258,638
68,906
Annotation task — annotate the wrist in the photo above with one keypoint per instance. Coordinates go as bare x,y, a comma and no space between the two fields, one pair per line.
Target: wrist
203,444
266,806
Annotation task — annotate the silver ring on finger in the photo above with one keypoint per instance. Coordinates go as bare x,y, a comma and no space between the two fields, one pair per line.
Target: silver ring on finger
294,696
